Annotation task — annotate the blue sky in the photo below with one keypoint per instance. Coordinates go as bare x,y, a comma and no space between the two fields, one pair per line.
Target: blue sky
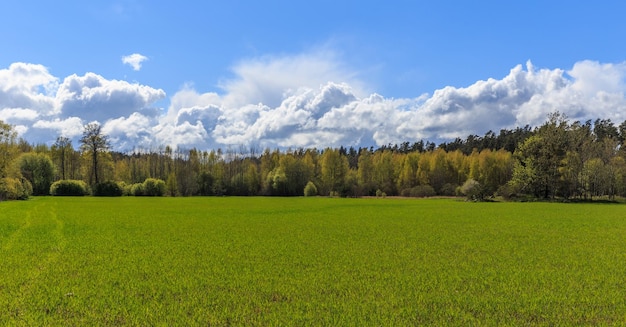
312,74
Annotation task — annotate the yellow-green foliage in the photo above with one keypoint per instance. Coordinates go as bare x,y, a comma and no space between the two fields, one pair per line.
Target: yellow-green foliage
154,187
69,187
310,189
14,189
38,169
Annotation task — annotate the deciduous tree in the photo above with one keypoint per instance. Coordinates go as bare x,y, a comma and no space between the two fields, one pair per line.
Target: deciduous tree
334,170
8,147
38,169
94,143
62,149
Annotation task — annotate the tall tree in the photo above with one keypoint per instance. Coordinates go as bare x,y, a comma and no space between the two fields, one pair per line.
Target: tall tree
408,174
297,171
95,143
8,149
541,156
334,170
38,169
604,128
62,148
440,170
384,171
12,184
365,172
252,179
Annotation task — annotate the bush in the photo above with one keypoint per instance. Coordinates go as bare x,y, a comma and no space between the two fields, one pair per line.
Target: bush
380,194
448,189
422,191
15,189
334,194
154,187
108,188
507,191
473,190
310,189
136,189
69,187
419,191
125,188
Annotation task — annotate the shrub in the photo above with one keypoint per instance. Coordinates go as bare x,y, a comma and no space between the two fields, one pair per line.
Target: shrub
448,189
136,189
422,191
154,187
419,191
15,189
69,187
108,188
379,193
507,191
310,189
125,188
473,190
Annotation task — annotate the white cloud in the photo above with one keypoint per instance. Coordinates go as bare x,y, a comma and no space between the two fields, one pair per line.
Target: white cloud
92,97
302,101
591,77
269,80
34,100
185,135
134,60
132,131
335,114
20,129
12,115
70,127
27,86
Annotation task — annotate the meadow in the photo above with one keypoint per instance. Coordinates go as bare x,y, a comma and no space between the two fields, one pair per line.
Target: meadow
309,261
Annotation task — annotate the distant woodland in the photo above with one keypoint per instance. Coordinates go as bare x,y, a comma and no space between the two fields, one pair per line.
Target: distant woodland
561,159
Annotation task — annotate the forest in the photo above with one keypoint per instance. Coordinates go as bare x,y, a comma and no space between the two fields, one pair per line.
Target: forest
560,159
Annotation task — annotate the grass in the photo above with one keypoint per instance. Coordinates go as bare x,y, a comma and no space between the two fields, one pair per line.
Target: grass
310,261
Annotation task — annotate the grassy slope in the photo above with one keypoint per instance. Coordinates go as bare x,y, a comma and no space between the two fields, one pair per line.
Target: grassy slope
309,261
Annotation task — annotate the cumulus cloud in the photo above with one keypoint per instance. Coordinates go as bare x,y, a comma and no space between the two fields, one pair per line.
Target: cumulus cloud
269,80
41,108
134,60
185,135
129,132
18,114
333,114
303,101
49,129
92,97
27,86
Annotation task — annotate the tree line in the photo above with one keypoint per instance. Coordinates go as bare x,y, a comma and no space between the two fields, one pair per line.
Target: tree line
559,159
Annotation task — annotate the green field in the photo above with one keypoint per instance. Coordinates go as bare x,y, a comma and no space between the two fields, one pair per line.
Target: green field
310,261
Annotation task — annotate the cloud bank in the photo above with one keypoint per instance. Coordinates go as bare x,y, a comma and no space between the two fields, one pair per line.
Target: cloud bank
301,101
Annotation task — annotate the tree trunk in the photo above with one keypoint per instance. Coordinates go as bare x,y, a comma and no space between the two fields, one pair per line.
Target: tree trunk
95,165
